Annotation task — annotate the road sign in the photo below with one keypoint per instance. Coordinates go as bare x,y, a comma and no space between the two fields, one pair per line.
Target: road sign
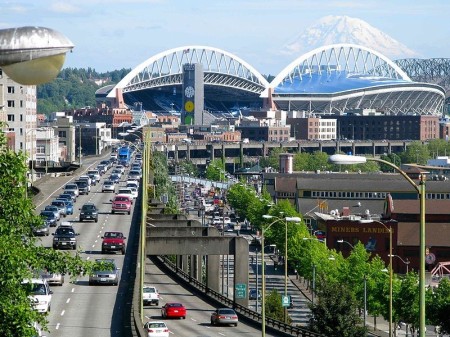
285,300
241,290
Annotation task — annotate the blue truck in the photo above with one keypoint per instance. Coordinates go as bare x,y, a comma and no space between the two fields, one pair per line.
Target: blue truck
124,156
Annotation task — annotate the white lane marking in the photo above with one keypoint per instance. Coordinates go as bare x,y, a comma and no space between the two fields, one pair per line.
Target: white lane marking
57,326
63,312
88,258
222,334
147,317
73,289
68,300
95,241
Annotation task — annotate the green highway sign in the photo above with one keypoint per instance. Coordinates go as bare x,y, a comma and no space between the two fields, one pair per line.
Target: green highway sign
241,290
285,300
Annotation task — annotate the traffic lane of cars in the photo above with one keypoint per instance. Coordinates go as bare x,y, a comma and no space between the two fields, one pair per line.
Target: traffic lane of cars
66,317
198,315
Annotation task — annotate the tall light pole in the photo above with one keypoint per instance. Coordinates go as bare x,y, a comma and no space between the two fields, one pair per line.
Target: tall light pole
407,262
420,189
285,221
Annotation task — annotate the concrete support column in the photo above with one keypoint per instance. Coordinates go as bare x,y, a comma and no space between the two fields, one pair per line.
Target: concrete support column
320,146
264,150
185,263
299,148
188,151
354,149
193,267
212,272
199,267
389,146
374,149
241,268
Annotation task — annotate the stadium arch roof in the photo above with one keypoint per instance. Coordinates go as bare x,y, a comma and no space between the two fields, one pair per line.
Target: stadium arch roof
221,69
336,78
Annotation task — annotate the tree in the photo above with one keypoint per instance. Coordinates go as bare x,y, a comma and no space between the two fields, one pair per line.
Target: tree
335,314
274,307
416,152
20,256
216,170
438,306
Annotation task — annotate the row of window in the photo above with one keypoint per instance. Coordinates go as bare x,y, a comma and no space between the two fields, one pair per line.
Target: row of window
348,195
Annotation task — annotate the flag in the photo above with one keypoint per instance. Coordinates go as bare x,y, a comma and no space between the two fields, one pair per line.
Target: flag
186,51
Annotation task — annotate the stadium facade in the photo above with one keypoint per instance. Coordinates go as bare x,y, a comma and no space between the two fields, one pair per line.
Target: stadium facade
331,80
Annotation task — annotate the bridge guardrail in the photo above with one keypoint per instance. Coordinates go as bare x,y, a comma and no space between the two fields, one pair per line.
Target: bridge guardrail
240,309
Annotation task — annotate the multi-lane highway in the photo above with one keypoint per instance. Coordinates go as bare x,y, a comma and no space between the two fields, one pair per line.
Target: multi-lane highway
79,309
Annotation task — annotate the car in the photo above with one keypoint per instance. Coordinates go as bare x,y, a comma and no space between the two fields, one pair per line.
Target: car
156,329
113,242
55,210
50,217
132,181
224,316
65,237
134,174
42,229
134,192
117,171
101,169
67,196
121,204
61,206
115,178
109,186
93,179
52,278
134,184
69,205
72,193
72,187
150,295
107,164
253,293
95,174
127,192
87,179
121,168
83,186
88,212
39,294
105,272
173,310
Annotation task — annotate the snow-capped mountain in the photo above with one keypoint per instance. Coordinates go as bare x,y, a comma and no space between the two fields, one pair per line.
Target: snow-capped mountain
343,29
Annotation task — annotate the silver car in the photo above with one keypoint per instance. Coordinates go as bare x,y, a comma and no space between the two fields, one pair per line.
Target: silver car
224,316
106,272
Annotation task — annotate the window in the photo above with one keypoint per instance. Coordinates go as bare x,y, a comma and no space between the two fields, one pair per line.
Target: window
21,117
62,134
10,118
10,104
10,90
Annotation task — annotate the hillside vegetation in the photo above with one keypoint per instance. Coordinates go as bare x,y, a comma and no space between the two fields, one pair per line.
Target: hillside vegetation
74,88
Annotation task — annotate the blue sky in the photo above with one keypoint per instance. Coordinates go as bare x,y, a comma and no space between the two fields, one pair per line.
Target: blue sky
115,34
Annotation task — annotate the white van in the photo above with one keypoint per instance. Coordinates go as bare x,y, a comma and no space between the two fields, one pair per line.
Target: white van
40,294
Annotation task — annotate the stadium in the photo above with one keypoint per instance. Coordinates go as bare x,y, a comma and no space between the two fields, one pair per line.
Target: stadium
331,80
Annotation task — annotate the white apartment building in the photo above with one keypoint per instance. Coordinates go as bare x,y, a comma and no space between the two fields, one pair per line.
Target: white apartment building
18,107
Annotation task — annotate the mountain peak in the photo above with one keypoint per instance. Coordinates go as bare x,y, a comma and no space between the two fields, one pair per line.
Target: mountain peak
344,29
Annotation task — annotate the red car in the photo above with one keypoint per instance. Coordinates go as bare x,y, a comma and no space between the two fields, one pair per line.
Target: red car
173,310
113,242
121,204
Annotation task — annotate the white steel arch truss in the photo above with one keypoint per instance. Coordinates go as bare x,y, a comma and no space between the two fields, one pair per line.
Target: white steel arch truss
220,69
353,59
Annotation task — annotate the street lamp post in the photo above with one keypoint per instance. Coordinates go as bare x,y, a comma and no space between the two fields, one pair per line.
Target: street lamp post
343,241
263,276
407,262
420,189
